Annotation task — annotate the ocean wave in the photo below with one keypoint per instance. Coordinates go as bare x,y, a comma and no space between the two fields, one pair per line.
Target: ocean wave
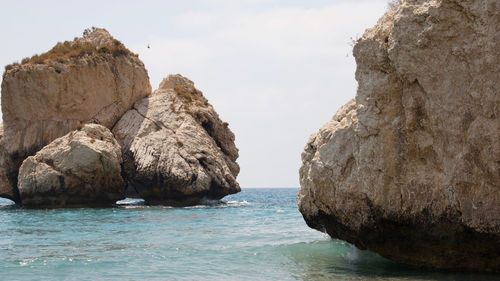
131,203
238,203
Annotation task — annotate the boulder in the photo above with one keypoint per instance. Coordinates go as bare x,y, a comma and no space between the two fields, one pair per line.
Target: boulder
81,168
92,79
410,168
176,150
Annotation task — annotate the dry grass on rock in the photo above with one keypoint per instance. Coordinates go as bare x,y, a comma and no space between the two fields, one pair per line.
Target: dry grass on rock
70,51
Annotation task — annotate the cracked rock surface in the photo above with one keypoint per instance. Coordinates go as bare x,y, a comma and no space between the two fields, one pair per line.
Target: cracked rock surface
81,168
410,168
176,150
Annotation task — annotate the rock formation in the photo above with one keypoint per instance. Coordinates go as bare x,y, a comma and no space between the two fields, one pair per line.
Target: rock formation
60,105
410,168
176,150
91,79
81,168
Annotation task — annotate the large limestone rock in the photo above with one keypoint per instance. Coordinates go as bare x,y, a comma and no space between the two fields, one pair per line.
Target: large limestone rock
176,149
81,168
91,79
410,168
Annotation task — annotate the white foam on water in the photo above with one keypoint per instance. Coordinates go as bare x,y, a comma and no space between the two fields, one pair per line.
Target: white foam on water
238,203
134,203
131,201
353,255
242,203
25,262
207,203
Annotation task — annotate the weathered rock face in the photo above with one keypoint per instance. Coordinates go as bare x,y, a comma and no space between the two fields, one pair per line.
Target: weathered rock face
81,168
7,169
410,168
91,79
176,150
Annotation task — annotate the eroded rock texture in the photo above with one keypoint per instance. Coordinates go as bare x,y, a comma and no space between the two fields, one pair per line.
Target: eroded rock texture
81,168
410,168
92,79
81,81
176,150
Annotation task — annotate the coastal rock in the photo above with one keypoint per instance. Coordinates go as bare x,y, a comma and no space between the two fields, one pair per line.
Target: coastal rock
410,168
81,168
6,169
176,150
90,79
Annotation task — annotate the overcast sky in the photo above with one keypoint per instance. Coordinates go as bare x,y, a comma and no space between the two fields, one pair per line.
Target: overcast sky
275,70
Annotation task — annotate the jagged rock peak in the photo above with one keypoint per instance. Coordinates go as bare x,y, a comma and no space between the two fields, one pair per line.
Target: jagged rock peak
176,150
199,108
175,80
97,36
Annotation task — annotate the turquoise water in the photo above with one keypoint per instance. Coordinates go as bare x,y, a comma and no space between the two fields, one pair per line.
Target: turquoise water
257,234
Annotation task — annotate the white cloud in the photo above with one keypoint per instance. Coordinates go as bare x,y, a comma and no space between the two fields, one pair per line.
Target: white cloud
275,70
276,74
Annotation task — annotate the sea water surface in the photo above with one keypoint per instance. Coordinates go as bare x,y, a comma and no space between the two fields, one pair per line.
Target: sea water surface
257,234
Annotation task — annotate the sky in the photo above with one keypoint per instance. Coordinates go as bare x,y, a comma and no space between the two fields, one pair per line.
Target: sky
275,70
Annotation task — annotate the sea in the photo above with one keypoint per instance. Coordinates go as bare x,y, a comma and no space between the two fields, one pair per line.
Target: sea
257,234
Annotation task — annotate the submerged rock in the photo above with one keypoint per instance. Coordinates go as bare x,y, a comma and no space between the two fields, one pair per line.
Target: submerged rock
81,168
410,168
176,150
93,79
